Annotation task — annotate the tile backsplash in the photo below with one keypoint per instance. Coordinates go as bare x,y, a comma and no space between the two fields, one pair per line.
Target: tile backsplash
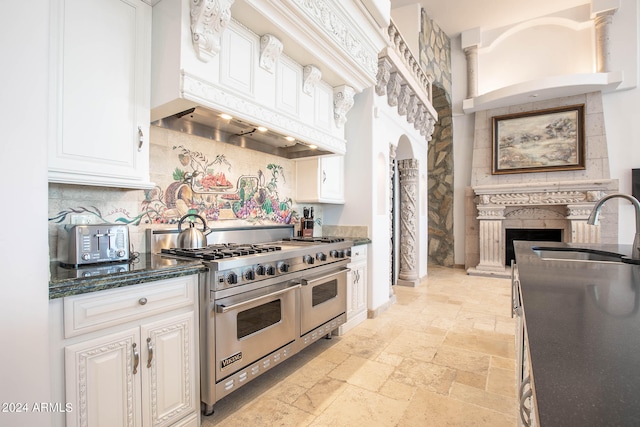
227,185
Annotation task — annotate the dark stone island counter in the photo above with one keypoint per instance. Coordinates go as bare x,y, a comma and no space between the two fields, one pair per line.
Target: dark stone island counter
583,327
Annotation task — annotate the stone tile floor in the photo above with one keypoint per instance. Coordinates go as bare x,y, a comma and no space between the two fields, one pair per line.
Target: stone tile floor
442,355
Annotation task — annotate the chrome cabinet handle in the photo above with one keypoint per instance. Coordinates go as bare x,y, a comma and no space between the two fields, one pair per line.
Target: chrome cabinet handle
142,301
136,358
150,349
140,138
324,177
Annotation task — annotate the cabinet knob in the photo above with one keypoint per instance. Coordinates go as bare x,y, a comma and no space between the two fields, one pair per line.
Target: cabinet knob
142,301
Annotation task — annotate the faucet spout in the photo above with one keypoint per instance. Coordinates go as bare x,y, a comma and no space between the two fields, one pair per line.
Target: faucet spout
595,213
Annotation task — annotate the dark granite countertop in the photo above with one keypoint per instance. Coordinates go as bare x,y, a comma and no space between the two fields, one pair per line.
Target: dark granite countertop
145,268
357,241
583,326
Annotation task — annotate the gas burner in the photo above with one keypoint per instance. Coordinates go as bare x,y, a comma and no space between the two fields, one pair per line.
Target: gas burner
222,250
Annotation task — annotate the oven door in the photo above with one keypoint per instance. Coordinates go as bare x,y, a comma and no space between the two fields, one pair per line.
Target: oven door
253,324
322,298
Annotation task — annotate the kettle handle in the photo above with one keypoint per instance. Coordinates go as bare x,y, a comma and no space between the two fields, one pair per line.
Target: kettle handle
204,223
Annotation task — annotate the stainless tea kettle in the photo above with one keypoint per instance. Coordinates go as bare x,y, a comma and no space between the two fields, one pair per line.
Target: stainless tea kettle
192,238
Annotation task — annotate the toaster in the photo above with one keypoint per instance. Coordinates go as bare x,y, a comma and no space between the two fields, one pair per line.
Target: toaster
92,244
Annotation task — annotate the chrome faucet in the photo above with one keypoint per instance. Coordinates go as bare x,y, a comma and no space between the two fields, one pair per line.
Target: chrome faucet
593,218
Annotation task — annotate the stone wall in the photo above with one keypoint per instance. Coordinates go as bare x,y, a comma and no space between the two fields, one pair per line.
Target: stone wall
435,58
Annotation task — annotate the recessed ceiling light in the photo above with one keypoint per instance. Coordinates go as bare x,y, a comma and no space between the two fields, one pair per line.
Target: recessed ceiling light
262,129
225,116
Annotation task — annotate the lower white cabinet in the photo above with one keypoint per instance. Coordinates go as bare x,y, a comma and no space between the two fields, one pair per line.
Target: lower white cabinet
137,373
356,289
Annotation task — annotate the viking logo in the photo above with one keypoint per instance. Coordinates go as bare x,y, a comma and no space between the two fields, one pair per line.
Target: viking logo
231,359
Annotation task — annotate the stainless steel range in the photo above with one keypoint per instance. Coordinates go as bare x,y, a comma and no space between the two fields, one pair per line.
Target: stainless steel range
265,297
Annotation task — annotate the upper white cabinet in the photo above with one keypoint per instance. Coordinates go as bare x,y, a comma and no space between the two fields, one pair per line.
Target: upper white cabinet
320,180
100,79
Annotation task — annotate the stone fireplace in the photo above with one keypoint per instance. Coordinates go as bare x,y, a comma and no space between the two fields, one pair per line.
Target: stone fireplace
545,200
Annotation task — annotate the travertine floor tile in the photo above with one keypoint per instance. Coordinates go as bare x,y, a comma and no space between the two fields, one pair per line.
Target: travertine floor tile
442,355
431,409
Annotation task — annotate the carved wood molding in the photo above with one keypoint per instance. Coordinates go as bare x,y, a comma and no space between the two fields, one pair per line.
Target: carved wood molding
209,18
270,51
342,103
311,75
339,28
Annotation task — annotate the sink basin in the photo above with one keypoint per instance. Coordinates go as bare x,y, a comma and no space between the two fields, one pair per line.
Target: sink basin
577,254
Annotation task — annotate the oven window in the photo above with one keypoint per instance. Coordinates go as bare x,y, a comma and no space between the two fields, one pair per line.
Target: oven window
258,318
324,292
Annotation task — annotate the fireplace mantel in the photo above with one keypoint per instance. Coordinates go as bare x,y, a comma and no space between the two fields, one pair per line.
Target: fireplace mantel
499,204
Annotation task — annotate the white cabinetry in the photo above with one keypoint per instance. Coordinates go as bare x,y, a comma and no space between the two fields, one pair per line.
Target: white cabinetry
356,289
320,180
100,79
130,356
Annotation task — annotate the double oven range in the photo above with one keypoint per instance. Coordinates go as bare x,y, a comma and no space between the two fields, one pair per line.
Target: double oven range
264,298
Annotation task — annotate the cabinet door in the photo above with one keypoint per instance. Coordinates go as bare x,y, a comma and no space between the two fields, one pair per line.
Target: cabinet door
360,287
331,178
168,382
100,93
102,384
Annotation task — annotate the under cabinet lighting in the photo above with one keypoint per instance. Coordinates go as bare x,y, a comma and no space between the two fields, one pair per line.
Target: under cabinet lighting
262,129
289,138
312,146
225,116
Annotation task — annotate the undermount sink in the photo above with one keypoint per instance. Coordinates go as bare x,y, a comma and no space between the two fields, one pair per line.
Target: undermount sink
579,254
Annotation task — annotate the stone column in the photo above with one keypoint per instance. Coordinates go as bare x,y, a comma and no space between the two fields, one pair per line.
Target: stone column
492,246
408,173
603,24
471,55
581,232
470,41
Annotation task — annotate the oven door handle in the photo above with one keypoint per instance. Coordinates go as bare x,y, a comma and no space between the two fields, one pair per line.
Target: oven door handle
221,308
306,282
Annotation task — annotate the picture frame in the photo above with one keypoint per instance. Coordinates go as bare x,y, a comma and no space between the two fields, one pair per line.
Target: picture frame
539,141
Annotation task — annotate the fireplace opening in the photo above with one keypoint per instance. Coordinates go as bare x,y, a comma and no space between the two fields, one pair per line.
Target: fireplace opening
535,234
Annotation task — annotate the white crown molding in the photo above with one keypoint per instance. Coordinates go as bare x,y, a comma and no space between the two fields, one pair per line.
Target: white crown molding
209,18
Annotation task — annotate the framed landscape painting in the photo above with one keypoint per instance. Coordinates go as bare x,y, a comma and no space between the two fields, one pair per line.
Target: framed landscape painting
539,141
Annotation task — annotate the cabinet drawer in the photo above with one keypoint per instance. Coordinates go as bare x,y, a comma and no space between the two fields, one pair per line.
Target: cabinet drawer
359,253
102,309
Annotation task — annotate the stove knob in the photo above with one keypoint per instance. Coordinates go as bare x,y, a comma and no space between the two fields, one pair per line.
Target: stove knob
321,256
260,270
250,275
307,259
337,254
120,253
284,267
271,270
85,257
232,278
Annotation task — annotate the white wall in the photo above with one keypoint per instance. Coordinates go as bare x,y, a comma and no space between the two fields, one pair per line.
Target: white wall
24,368
372,126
